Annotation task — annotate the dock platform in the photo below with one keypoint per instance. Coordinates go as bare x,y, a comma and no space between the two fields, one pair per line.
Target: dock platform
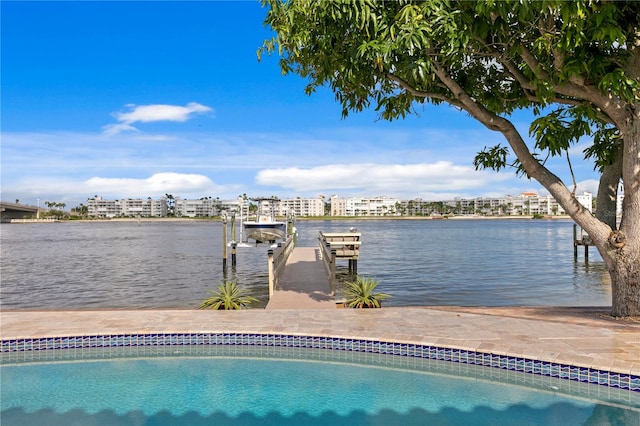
303,283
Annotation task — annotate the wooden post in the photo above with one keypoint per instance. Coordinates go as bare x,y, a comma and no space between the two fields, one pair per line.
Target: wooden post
224,243
290,229
586,252
233,241
233,227
233,253
332,278
353,266
271,273
575,242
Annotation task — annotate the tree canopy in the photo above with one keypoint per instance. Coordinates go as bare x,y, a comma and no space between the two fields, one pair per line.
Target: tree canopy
576,64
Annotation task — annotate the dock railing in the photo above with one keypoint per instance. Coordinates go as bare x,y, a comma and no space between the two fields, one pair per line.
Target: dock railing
277,261
328,256
339,245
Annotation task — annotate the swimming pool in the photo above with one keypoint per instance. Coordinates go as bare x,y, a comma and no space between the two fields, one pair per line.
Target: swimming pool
245,384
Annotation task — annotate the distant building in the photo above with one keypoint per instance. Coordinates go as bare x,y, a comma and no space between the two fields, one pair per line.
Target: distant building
526,203
586,199
134,207
203,207
97,207
362,206
301,207
619,199
338,206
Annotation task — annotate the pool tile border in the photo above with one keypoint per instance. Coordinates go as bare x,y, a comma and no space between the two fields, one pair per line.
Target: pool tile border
505,362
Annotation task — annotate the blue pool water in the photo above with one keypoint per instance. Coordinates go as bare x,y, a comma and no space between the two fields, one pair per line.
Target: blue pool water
291,389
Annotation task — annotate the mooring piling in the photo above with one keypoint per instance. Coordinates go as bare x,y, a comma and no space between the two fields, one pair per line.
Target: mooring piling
582,240
224,243
234,242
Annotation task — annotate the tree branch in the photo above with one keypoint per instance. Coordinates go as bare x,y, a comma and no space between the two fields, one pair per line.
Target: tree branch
536,170
608,190
574,90
533,64
573,176
529,89
418,93
500,56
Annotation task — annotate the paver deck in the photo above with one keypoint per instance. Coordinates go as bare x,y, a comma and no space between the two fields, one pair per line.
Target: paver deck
303,283
583,337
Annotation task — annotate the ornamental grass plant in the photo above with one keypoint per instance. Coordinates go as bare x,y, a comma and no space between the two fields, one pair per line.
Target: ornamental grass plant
228,296
360,293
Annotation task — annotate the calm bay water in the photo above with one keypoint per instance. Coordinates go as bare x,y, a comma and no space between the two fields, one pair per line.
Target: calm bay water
78,265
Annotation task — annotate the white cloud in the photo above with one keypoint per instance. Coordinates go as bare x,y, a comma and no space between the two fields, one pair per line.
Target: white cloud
147,113
415,179
114,129
74,191
151,113
158,183
589,185
408,164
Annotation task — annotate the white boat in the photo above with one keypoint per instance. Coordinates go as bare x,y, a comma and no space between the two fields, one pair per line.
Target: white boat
265,228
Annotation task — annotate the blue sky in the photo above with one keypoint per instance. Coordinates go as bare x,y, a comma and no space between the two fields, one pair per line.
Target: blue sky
139,99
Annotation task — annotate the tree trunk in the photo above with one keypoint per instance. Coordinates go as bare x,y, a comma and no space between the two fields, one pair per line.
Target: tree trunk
608,192
622,254
620,249
625,284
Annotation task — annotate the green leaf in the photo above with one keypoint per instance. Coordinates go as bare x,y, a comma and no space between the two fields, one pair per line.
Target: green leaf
494,158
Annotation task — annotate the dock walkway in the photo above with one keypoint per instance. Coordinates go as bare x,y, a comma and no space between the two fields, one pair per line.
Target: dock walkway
304,283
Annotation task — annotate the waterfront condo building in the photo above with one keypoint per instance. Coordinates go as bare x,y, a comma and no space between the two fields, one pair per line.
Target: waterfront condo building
301,207
364,206
527,203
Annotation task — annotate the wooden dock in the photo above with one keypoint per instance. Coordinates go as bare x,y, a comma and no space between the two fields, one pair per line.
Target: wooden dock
305,277
345,245
303,283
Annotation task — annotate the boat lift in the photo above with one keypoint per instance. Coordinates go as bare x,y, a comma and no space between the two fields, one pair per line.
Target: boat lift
242,214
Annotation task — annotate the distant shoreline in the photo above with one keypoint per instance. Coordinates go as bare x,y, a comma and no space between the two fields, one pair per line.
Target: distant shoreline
323,218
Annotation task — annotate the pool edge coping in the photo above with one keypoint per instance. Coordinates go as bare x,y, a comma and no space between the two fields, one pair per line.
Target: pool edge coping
521,364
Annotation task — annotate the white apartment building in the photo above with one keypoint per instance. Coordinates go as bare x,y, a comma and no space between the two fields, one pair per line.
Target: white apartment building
99,207
134,207
586,199
338,206
530,203
360,206
203,207
527,203
229,206
300,207
143,208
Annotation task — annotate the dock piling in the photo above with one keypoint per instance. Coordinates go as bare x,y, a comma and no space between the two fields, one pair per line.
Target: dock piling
582,240
332,274
234,244
271,272
224,243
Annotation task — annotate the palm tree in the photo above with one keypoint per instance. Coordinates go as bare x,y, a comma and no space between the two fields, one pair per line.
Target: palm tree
171,205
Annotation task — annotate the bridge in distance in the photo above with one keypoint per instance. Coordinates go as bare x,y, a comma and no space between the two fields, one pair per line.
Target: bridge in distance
10,211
